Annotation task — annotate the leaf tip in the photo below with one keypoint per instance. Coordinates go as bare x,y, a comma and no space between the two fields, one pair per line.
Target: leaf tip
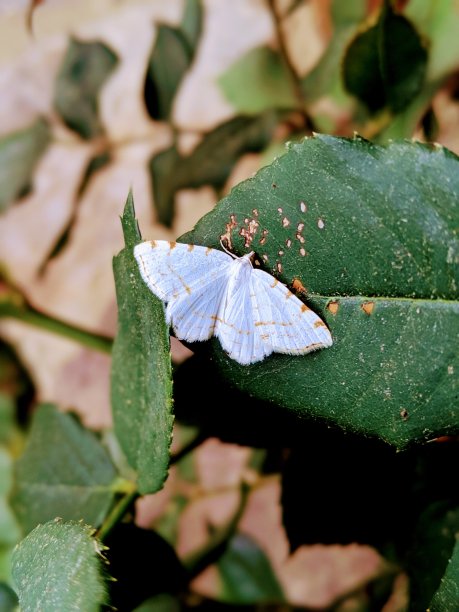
129,223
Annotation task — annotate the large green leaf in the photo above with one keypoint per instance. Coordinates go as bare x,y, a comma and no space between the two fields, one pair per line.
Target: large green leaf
84,70
19,154
371,232
64,472
385,64
141,385
58,567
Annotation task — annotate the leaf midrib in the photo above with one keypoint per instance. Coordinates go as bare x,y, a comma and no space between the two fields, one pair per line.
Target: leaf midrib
318,296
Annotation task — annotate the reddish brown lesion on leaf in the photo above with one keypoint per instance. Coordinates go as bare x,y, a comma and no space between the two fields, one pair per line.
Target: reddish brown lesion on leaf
368,307
298,286
249,232
333,307
226,237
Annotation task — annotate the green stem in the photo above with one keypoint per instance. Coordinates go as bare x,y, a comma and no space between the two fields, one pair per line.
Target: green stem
117,513
27,314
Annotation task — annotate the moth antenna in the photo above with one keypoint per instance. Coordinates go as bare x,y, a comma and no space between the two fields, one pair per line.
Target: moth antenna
226,250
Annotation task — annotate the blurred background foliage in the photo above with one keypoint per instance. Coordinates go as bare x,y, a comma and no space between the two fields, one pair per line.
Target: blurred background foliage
181,101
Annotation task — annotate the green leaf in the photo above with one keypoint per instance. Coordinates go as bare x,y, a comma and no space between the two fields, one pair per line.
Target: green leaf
166,179
141,383
58,567
8,598
385,65
377,250
191,25
10,533
8,428
169,61
433,558
246,574
446,598
259,81
19,155
64,471
160,603
83,72
438,20
325,78
210,163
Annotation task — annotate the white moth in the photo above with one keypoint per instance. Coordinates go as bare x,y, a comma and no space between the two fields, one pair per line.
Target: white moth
211,293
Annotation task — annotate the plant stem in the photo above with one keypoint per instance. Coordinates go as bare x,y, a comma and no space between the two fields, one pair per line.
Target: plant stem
20,309
117,513
296,81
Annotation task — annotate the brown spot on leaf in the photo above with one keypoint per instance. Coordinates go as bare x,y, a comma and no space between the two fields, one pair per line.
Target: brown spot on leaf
298,286
264,234
333,307
249,232
285,222
226,237
404,414
367,307
279,267
302,252
303,207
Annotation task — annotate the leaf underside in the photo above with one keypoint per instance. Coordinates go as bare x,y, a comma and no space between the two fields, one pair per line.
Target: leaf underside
64,471
57,567
141,387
